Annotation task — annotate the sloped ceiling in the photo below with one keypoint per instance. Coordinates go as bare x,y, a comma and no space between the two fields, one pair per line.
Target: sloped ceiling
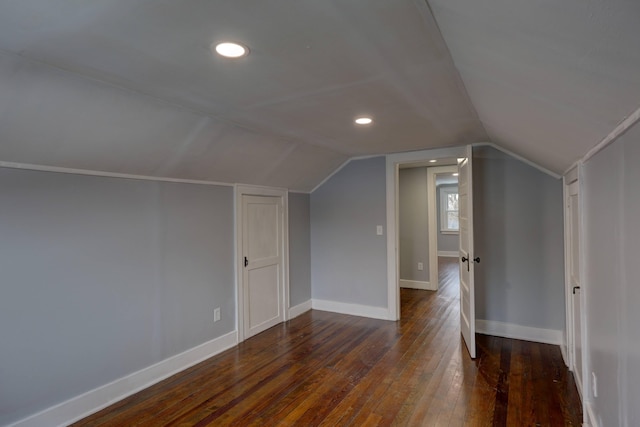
132,87
549,79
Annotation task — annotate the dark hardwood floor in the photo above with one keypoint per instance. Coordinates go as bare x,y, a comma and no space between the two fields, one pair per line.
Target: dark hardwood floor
336,370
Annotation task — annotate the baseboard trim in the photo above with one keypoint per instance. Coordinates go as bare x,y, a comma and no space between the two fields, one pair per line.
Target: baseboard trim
590,418
519,332
299,309
99,398
417,284
351,309
449,254
563,349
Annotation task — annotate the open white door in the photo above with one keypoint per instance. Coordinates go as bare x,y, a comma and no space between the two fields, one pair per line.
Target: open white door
573,229
467,259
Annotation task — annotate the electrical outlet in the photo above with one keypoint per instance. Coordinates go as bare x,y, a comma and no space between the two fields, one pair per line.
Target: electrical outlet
594,384
420,266
216,314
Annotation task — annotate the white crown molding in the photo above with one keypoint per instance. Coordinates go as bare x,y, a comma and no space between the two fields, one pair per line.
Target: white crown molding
339,168
56,169
518,157
616,133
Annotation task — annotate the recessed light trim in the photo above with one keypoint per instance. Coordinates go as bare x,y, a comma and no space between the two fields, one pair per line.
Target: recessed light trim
230,49
363,120
432,161
455,174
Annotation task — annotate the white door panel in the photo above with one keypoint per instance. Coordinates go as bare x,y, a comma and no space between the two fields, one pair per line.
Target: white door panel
263,297
467,292
262,249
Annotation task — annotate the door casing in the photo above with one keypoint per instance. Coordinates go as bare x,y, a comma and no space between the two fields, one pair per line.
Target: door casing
240,191
574,314
393,162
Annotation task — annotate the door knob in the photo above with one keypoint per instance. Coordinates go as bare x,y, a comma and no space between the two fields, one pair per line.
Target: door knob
466,259
477,259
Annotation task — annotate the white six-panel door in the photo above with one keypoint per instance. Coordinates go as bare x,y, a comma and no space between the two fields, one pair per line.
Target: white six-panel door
262,263
467,264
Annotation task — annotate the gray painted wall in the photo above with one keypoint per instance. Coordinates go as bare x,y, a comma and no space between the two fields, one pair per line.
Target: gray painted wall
518,231
413,223
299,248
102,277
611,201
446,242
348,259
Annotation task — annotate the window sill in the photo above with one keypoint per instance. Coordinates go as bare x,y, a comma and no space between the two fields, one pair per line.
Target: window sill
449,232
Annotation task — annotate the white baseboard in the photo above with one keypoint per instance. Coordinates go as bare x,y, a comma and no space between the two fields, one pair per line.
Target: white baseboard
563,349
450,254
297,310
565,356
352,309
99,398
590,415
417,284
519,332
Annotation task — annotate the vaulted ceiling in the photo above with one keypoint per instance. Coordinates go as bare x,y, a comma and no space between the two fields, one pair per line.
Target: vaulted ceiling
132,86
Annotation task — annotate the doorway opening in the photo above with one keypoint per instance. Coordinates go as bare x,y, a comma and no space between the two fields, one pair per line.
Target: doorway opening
463,158
428,228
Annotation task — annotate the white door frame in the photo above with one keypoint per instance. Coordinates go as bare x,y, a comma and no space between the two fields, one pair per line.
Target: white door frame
248,190
573,177
393,162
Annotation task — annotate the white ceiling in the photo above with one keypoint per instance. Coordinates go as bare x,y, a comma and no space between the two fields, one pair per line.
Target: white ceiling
131,86
548,78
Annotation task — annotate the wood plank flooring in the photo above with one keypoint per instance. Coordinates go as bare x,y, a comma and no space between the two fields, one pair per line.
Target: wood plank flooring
327,369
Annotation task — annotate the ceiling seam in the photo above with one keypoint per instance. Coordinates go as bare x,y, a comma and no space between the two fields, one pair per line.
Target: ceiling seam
458,77
167,102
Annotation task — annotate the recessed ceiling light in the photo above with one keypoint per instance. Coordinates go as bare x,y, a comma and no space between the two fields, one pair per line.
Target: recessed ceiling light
432,161
460,160
455,174
231,50
364,120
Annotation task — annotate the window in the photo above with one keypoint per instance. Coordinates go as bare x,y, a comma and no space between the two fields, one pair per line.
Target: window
449,209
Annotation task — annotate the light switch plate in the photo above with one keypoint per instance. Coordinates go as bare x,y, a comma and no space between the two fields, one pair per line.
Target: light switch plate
379,230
